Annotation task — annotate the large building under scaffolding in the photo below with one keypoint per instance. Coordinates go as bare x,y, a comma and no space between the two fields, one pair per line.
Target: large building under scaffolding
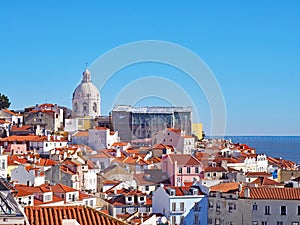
142,122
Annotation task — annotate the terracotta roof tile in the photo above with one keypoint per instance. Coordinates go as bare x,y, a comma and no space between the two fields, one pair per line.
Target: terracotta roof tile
215,169
264,181
53,215
273,193
185,159
258,174
60,188
81,134
225,187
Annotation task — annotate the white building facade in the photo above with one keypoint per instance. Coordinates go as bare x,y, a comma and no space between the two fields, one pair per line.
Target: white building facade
181,205
86,98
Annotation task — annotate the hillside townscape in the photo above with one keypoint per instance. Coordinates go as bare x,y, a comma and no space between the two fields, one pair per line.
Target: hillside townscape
137,165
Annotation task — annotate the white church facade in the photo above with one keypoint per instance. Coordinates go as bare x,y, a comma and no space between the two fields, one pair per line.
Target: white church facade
86,98
85,105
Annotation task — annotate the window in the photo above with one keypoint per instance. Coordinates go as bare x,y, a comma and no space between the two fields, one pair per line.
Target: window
279,223
85,107
147,209
129,198
48,198
173,220
173,206
263,223
295,223
102,166
218,207
254,207
181,220
147,188
196,207
298,209
188,169
95,107
75,107
123,210
196,169
283,210
91,203
181,206
142,198
254,223
3,164
180,170
267,210
196,219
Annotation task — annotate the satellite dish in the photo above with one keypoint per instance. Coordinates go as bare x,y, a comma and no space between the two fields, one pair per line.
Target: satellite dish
164,219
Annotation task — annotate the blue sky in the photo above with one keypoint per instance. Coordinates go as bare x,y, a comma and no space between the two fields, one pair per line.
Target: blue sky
253,49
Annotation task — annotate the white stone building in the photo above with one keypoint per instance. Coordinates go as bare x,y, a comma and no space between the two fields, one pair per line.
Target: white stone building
3,166
181,205
86,98
28,175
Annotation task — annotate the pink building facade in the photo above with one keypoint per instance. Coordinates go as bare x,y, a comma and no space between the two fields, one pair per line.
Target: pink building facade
182,168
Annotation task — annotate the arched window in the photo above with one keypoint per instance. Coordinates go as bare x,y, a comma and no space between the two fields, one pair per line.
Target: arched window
75,107
95,107
84,107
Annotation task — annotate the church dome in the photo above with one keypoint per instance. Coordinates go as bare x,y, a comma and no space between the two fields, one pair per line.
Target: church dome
86,89
86,98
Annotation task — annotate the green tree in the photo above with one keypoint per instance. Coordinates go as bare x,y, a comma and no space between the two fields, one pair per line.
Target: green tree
4,102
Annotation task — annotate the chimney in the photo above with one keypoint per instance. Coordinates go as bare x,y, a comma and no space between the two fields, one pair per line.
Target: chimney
48,137
247,192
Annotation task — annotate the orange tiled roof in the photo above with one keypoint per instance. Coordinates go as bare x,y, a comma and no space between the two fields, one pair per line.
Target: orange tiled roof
101,128
226,187
178,131
81,134
33,138
182,191
60,188
46,162
215,169
4,121
55,199
264,181
184,159
53,215
120,144
22,128
22,193
258,174
9,112
273,193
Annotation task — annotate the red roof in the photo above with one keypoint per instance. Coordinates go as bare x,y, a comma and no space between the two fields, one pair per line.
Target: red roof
258,174
182,191
22,128
185,160
60,188
264,181
225,187
53,215
272,193
215,169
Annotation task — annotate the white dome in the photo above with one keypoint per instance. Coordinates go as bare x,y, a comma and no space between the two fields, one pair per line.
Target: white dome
86,98
86,90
